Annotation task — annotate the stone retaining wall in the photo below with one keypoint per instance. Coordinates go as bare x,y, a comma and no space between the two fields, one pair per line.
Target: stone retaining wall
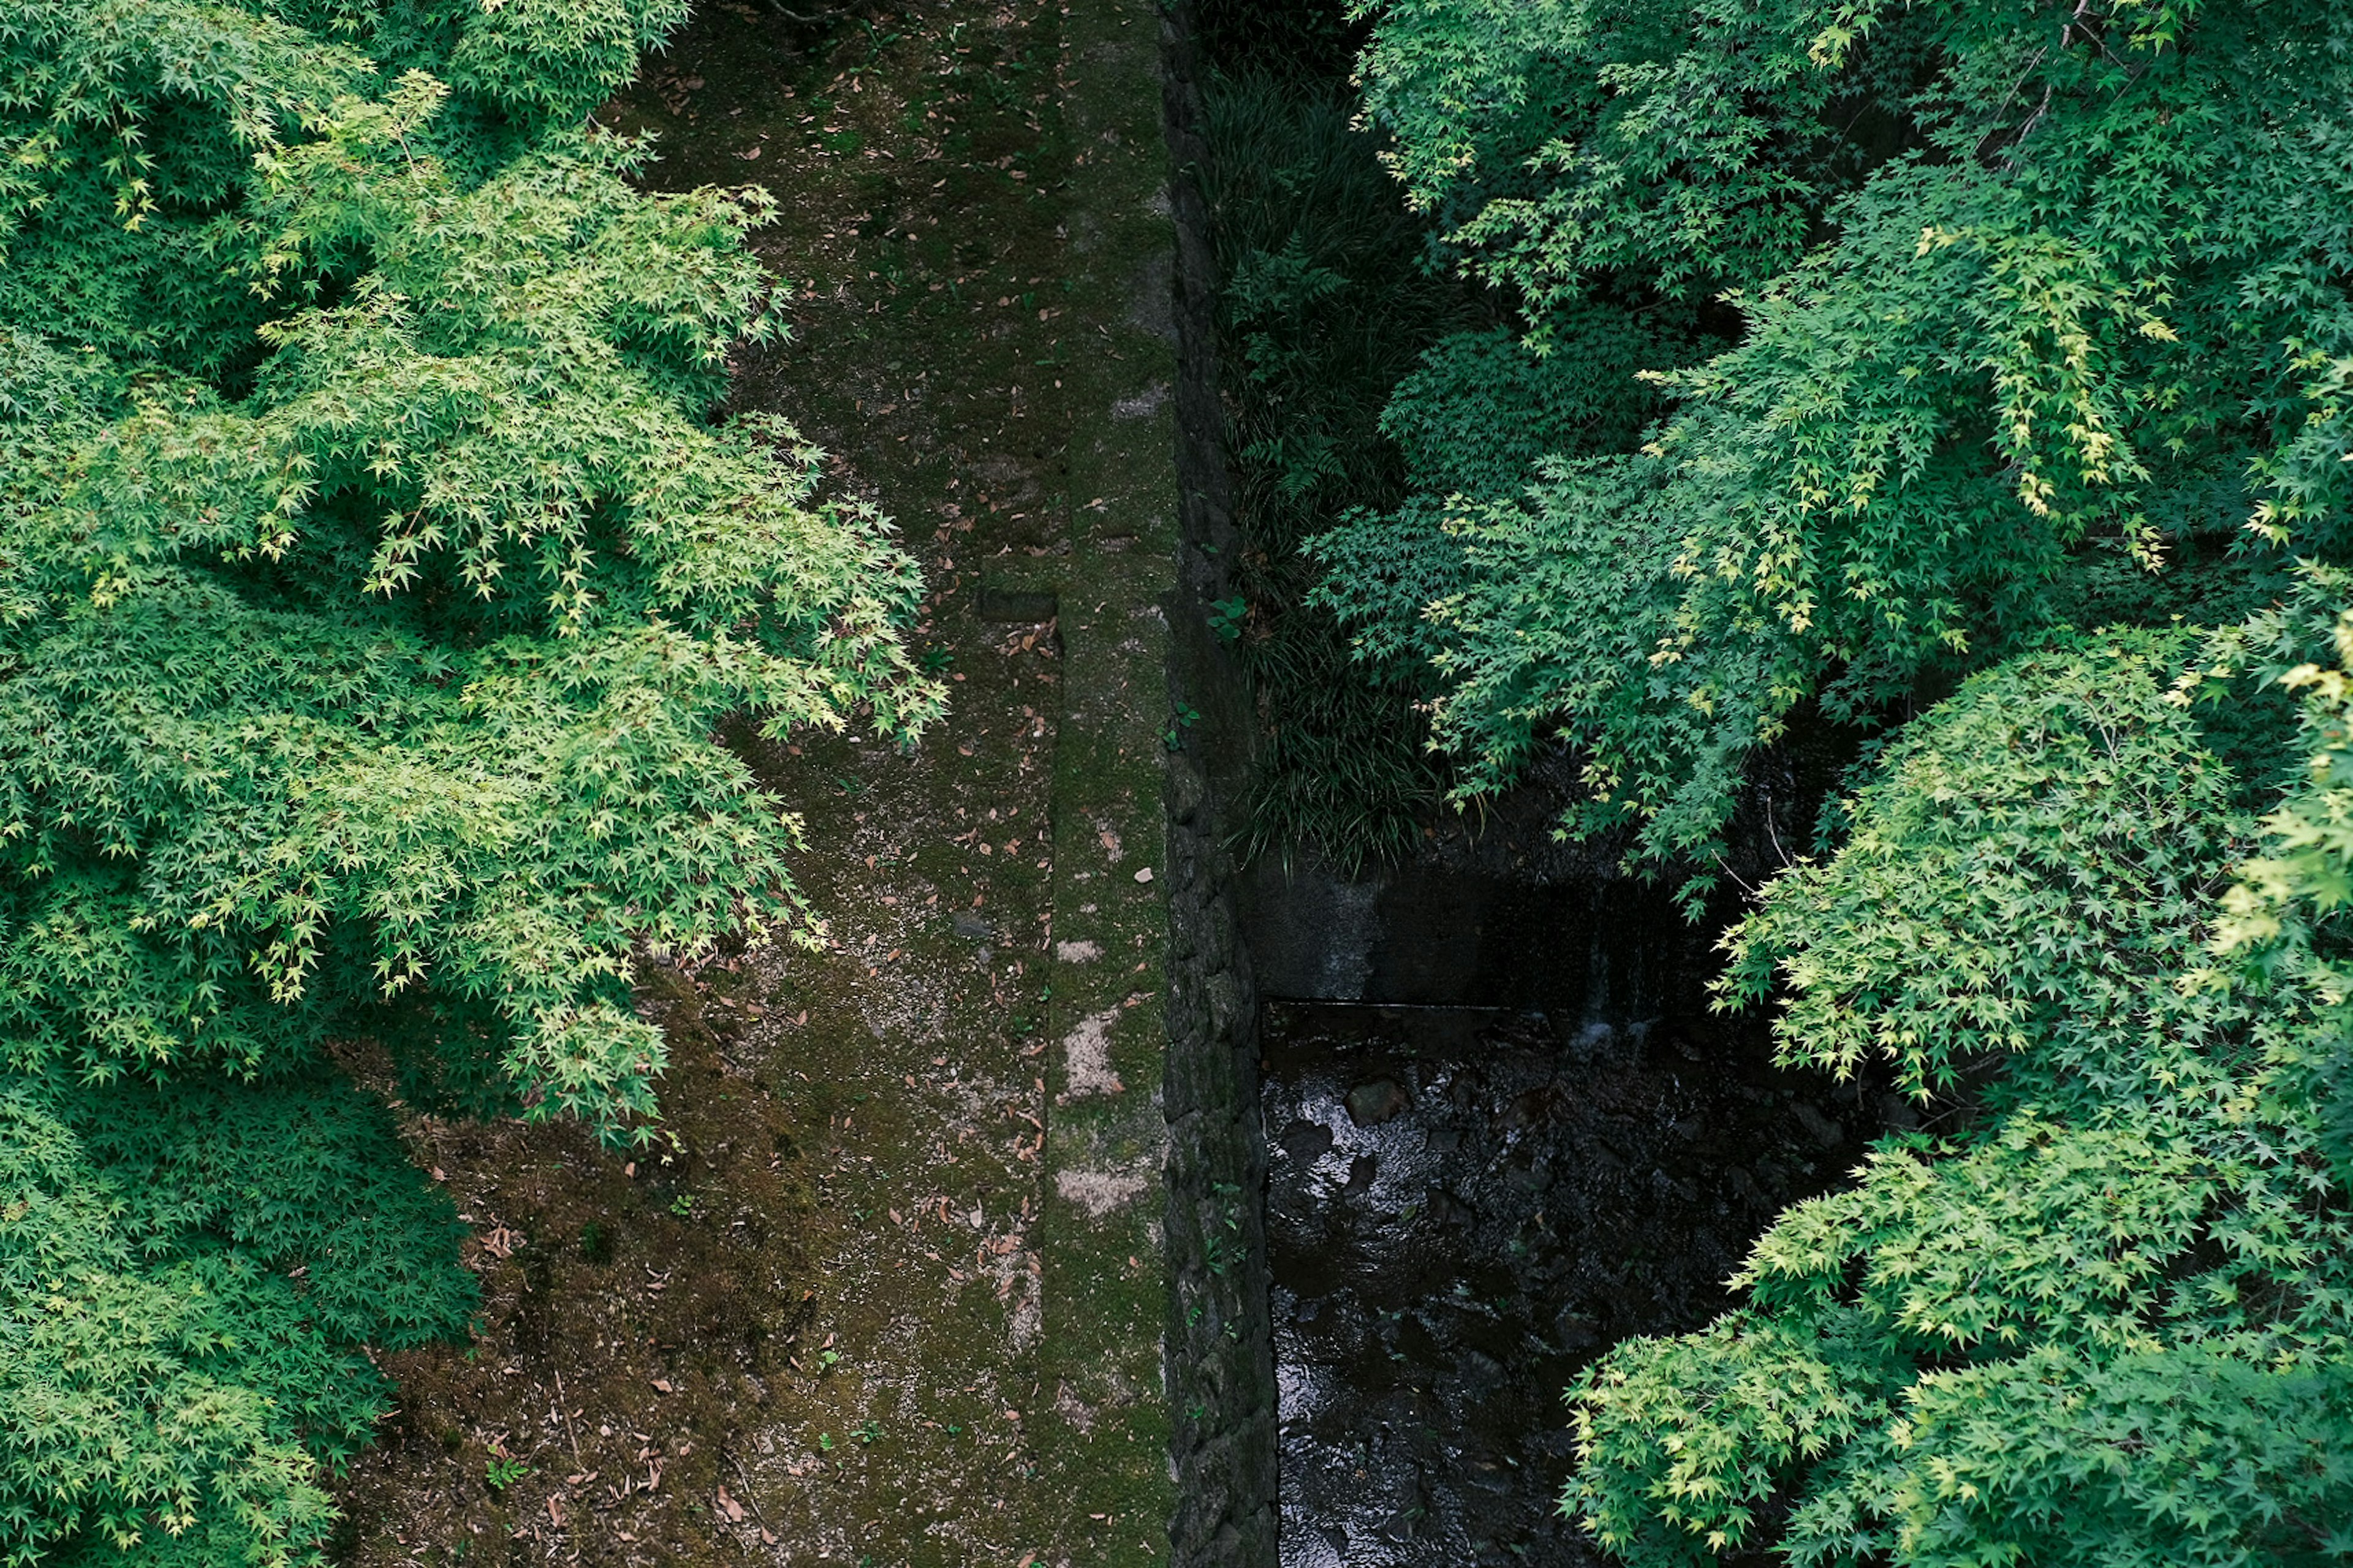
1219,1343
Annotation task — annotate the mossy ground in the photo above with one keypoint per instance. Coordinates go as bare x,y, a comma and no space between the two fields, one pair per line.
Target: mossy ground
823,1322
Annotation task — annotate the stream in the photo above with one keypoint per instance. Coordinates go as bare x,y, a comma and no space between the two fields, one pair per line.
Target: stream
1466,1206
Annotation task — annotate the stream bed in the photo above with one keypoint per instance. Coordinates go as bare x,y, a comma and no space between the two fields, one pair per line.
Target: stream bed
1465,1207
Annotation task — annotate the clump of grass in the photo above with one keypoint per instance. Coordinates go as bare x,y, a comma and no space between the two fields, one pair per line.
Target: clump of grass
1327,301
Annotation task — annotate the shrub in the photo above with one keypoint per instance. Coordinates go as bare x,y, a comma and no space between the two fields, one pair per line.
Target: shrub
373,582
2096,1312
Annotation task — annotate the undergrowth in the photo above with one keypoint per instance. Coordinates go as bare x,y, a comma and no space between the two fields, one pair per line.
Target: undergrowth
1325,305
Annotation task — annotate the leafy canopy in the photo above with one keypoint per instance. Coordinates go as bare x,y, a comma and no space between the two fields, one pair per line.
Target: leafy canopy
396,674
186,1275
374,579
2100,1311
2035,309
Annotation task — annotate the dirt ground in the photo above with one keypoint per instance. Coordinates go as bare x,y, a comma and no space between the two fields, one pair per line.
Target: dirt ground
801,1329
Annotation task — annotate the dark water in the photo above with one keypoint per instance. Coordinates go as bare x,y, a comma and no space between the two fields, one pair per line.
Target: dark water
1463,1210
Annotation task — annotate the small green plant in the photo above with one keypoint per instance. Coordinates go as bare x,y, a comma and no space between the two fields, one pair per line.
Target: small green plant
825,1442
682,1205
500,1472
867,1431
1230,1205
937,660
1226,617
1187,717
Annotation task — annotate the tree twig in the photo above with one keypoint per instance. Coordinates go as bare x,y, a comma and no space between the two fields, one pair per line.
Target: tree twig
749,1500
563,1407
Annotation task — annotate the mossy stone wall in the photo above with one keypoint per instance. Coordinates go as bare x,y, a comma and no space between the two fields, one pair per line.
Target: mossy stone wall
1220,1341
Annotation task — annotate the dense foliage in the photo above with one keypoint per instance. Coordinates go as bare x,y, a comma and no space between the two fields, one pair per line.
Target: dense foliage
2030,311
372,583
1965,384
186,1275
2099,1312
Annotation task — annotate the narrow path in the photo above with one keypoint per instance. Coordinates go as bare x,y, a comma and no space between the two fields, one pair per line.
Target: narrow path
890,1292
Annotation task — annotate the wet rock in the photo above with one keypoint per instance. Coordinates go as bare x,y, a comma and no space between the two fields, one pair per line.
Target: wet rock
1527,1110
1361,1171
1821,1128
1481,1371
1490,1477
1447,1209
1370,1104
1573,1331
1306,1141
1684,1188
